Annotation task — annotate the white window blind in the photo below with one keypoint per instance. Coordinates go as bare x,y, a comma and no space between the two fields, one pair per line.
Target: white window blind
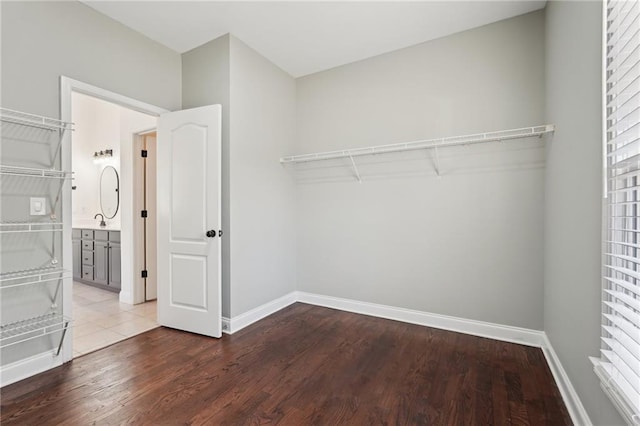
619,364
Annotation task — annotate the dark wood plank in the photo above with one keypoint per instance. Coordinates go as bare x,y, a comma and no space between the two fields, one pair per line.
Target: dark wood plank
302,365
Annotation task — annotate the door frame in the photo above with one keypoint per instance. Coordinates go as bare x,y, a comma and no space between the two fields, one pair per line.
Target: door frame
139,288
67,87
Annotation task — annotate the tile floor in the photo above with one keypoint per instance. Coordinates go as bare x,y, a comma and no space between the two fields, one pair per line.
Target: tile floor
101,320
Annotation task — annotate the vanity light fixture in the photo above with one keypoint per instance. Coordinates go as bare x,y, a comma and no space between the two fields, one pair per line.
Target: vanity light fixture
100,156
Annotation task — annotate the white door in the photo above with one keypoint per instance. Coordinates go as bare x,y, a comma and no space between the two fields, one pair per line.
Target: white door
188,197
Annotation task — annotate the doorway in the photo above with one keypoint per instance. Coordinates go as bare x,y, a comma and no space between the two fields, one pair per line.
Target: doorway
102,292
189,227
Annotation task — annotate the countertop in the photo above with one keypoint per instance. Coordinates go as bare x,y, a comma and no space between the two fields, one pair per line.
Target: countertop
96,226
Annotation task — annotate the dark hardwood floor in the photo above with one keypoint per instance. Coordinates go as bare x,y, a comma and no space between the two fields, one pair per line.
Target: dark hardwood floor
302,365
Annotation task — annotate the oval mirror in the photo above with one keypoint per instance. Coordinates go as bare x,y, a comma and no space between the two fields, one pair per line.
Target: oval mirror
109,190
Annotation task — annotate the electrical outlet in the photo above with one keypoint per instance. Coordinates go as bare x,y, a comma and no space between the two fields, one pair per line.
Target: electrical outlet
38,206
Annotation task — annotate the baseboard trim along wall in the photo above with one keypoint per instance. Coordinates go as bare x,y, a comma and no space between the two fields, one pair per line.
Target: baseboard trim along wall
28,367
570,397
477,328
237,323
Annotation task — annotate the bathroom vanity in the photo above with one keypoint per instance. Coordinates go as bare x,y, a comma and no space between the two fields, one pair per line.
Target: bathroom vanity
96,257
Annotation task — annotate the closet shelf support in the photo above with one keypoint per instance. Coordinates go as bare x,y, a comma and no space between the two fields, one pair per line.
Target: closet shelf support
355,169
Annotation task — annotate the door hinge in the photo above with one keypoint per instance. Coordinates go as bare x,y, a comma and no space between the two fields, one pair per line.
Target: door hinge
144,153
144,274
144,213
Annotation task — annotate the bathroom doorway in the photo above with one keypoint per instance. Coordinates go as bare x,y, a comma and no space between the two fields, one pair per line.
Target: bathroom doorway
106,307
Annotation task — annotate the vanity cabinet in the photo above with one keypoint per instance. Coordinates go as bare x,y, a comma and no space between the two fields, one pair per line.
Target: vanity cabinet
99,261
76,243
114,265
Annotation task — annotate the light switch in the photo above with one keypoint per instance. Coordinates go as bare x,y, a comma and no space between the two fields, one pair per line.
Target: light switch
37,206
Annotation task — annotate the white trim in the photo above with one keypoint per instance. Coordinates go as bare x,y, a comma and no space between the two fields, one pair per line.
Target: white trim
603,61
237,323
125,297
611,390
28,367
68,85
570,397
505,333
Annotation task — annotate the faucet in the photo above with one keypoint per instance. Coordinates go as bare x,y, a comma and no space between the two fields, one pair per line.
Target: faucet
102,222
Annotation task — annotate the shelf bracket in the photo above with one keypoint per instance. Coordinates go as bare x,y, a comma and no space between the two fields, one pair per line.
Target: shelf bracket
59,147
55,295
64,332
355,169
436,160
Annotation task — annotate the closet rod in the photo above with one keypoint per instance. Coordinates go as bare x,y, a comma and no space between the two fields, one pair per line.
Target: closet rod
500,135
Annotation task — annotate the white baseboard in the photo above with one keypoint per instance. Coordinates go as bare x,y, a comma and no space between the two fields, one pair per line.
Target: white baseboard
570,397
237,323
126,297
505,333
28,367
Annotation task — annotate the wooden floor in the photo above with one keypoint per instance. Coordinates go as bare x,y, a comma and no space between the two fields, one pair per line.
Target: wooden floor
302,365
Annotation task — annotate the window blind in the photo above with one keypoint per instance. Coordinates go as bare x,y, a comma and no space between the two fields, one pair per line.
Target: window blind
619,364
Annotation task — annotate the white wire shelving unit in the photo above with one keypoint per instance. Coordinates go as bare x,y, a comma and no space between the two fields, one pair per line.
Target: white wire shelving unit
33,276
37,284
434,144
33,328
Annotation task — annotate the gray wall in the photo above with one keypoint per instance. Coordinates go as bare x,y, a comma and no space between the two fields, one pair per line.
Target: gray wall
43,40
574,197
263,255
258,110
468,244
206,81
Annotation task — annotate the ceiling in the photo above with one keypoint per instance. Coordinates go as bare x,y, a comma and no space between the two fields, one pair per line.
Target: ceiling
305,37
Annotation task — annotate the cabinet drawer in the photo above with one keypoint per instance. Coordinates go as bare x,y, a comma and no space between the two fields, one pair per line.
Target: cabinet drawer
101,235
87,258
114,236
76,234
87,272
87,234
87,245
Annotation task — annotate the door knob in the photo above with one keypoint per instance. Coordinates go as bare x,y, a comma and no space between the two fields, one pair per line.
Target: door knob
211,234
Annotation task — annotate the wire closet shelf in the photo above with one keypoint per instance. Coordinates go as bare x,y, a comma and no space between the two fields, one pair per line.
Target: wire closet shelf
501,135
34,172
32,276
20,227
33,328
32,120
